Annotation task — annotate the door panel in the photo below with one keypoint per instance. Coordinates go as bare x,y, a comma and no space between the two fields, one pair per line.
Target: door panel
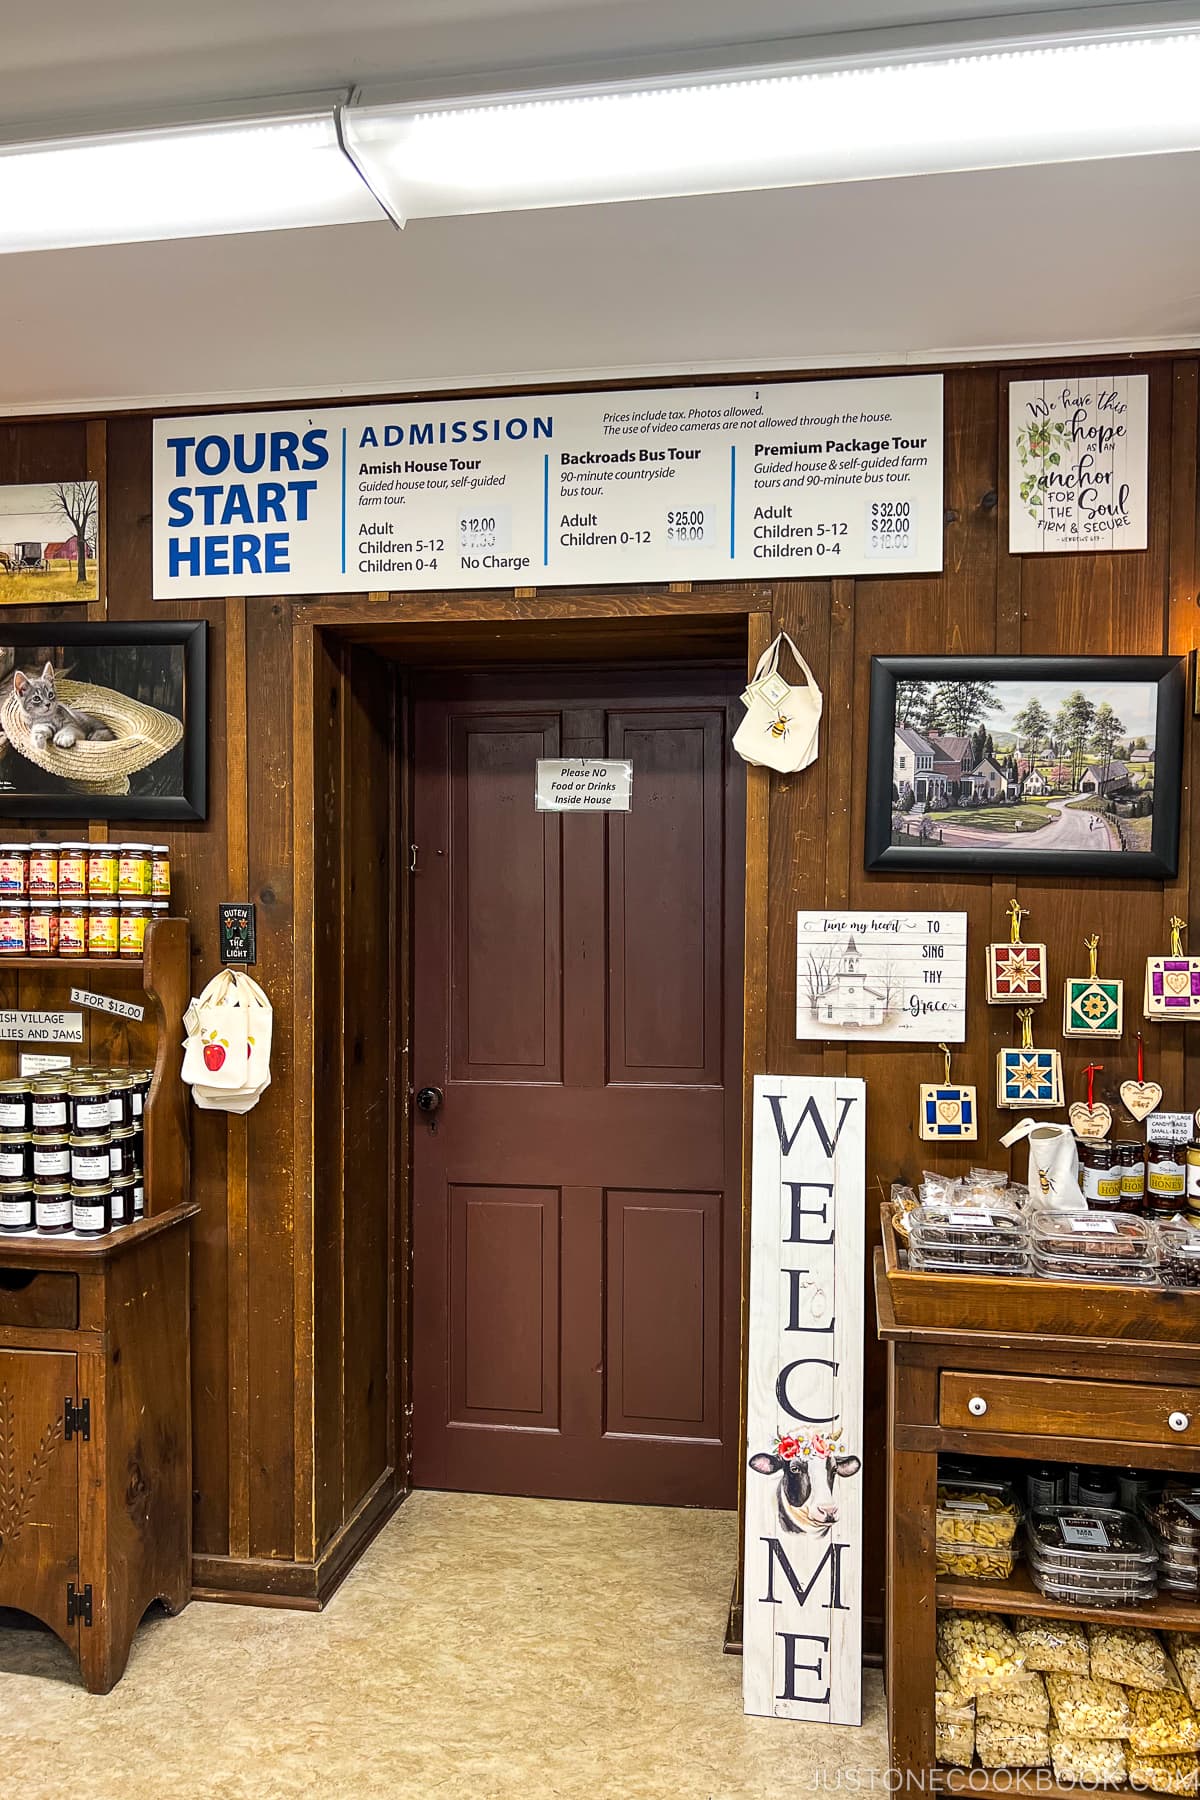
39,1487
577,995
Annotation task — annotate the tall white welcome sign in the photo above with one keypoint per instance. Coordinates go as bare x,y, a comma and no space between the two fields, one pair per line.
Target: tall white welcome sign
802,1625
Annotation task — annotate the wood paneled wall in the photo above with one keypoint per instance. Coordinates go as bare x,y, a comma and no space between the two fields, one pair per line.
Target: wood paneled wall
295,1333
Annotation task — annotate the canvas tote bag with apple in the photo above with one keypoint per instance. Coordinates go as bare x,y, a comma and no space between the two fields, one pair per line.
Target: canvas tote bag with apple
227,1051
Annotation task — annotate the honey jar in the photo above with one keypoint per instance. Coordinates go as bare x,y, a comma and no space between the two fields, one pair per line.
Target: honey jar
1166,1179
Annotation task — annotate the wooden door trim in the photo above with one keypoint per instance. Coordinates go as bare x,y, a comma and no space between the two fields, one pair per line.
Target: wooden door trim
358,618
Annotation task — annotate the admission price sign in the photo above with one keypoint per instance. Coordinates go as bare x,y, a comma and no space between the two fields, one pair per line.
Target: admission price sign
829,478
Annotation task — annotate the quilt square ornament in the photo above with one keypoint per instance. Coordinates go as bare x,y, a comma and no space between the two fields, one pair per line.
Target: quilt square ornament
947,1111
1093,1008
1016,972
1173,982
1027,1077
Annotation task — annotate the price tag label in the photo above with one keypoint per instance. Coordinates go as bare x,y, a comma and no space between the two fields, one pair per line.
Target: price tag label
1084,1534
1090,1225
1169,1128
969,1218
891,527
485,528
690,525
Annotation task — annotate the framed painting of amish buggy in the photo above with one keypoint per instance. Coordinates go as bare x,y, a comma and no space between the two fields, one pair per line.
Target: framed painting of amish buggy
1040,764
50,543
103,721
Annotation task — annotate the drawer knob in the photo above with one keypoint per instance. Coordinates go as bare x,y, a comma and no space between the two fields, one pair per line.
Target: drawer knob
977,1406
1179,1421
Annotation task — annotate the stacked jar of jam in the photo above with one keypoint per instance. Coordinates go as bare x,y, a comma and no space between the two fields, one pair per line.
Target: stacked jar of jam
81,899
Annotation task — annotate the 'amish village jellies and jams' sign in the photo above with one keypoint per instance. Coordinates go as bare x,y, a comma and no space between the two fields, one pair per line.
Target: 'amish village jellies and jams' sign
802,1614
657,484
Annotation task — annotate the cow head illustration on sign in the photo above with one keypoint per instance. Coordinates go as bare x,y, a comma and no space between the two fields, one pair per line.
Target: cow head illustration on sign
808,1466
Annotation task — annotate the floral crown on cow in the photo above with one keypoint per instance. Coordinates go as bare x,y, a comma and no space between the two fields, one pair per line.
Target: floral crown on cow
808,1443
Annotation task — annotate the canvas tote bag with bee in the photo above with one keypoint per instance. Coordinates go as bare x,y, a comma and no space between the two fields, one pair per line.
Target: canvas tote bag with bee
781,724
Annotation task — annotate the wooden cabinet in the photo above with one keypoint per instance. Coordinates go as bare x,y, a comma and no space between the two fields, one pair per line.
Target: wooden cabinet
988,1388
95,1434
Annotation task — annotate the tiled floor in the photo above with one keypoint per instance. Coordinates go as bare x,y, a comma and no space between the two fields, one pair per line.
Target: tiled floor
483,1647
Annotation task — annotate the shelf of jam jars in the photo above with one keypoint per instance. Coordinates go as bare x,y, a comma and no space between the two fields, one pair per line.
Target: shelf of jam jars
162,974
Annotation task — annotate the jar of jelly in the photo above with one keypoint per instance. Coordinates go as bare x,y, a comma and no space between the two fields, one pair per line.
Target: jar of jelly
88,1102
14,927
102,865
1166,1180
73,871
121,1151
91,1207
52,1157
43,928
1099,1178
89,1156
16,1206
48,1111
135,915
160,871
52,1206
73,927
120,1100
43,871
16,1156
104,929
122,1199
141,1079
14,871
139,1196
14,1105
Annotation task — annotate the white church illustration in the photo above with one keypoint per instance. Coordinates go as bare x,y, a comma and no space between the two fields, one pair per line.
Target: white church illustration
850,998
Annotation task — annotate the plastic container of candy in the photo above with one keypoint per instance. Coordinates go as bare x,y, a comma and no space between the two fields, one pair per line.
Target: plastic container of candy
1090,1540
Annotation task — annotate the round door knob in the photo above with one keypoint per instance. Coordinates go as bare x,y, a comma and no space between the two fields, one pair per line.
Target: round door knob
1179,1421
429,1099
977,1406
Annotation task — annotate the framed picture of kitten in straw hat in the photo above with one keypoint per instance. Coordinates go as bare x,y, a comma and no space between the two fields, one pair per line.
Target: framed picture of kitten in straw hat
103,721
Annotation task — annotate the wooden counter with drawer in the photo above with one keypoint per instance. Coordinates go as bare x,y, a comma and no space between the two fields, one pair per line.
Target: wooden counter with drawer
985,1389
95,1433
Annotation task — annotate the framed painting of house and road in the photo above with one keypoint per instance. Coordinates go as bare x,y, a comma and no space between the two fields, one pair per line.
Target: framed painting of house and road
1048,764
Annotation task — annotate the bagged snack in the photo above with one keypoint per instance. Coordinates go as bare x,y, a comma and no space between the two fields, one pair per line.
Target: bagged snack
1185,1653
1053,1646
978,1649
1163,1774
1022,1701
954,1741
1092,1762
1002,1746
1131,1655
1163,1724
1089,1708
949,1702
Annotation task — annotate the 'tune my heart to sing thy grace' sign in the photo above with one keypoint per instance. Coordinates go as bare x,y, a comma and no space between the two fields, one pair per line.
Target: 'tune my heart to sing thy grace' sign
802,1623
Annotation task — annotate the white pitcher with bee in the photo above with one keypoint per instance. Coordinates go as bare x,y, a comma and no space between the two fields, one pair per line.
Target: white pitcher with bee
782,722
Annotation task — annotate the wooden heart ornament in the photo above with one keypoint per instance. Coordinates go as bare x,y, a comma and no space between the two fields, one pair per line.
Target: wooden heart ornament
1090,1121
1141,1097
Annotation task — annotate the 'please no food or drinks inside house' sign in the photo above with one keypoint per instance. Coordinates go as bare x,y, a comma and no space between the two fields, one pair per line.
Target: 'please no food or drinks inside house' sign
802,1630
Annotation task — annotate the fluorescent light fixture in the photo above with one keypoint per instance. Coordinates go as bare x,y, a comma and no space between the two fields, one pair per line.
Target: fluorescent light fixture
934,113
258,174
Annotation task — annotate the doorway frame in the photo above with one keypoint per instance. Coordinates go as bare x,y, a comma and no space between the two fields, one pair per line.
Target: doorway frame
355,619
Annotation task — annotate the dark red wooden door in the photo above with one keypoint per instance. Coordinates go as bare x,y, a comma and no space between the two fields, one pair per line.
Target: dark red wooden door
577,998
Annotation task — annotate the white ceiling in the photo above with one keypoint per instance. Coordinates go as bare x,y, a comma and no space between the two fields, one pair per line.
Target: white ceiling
1090,255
